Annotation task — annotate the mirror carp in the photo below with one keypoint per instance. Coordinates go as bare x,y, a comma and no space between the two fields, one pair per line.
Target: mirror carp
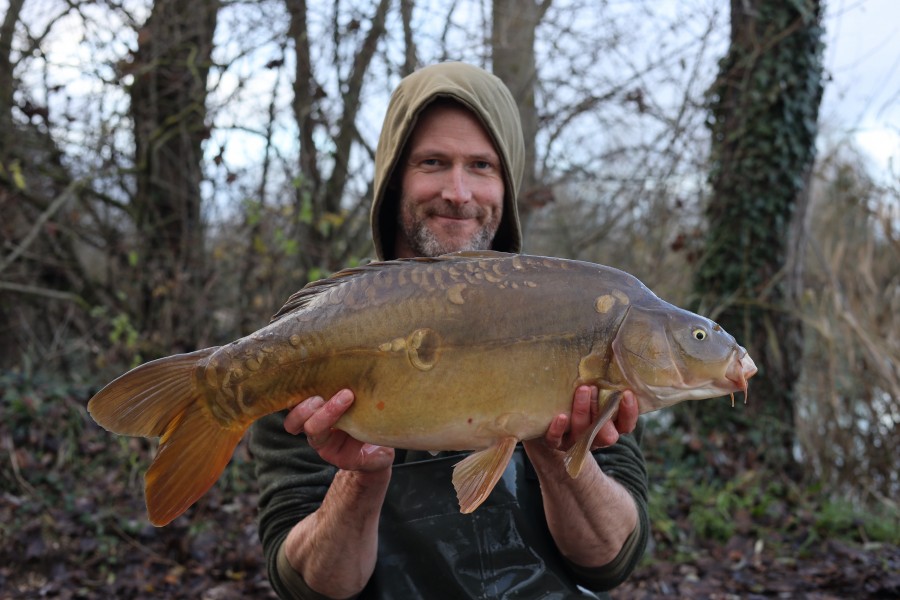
467,351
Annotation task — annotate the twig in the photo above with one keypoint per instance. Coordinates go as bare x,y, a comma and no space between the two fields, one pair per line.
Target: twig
11,449
142,547
28,239
38,291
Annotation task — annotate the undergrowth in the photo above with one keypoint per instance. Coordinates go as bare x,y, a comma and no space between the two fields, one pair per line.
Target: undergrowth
72,515
700,496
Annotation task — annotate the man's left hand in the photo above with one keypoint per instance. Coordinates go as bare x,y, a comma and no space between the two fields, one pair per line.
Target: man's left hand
565,429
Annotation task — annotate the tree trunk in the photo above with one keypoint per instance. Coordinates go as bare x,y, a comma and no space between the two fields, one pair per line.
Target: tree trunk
7,82
512,44
763,119
168,105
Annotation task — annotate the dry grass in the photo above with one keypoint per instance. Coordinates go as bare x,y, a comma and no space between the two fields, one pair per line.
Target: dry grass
847,407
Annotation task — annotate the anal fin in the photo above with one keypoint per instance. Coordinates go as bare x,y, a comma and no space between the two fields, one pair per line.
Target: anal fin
574,459
476,475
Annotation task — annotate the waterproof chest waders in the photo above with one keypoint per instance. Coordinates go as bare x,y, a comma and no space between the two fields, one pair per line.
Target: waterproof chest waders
429,550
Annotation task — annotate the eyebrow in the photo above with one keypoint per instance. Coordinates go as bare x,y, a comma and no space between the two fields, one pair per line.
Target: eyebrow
424,152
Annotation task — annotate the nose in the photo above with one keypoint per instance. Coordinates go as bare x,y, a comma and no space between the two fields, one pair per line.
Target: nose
457,188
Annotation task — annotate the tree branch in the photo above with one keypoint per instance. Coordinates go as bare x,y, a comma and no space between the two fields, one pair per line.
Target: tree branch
38,224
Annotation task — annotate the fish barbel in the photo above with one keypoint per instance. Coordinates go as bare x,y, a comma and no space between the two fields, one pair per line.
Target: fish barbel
468,351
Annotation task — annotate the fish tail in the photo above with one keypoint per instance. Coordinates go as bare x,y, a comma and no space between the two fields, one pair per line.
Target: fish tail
192,454
161,399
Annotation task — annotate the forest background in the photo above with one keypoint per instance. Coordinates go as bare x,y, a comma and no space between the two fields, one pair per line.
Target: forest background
171,172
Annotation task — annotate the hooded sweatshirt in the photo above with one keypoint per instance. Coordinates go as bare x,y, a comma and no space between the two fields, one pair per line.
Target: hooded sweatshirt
507,541
489,100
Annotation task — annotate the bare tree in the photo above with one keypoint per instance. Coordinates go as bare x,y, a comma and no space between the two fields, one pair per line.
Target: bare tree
149,259
330,230
38,267
168,106
7,29
513,29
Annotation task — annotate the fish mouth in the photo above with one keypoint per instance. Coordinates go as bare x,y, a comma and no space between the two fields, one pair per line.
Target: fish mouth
739,371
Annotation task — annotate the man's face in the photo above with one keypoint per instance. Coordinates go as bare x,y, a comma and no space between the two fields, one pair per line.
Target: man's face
451,187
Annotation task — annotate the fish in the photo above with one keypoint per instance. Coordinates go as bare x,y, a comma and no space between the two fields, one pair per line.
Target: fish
466,351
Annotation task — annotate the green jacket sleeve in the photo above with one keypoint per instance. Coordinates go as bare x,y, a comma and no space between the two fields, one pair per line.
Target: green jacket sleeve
292,483
624,462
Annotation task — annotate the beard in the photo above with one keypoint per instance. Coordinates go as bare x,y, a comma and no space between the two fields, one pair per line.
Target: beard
425,242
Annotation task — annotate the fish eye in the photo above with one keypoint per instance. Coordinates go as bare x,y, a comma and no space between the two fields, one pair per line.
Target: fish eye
699,334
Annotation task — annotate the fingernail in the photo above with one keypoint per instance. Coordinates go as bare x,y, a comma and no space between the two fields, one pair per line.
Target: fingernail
343,399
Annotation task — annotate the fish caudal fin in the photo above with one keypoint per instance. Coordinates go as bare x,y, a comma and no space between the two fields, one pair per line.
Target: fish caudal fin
147,398
161,399
192,455
476,475
575,456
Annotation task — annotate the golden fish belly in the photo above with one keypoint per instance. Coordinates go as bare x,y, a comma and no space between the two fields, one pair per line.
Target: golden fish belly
468,399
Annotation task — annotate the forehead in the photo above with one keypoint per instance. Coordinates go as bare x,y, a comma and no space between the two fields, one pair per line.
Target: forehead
449,121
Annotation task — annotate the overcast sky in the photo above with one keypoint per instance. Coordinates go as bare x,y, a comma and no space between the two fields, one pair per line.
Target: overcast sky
862,98
863,59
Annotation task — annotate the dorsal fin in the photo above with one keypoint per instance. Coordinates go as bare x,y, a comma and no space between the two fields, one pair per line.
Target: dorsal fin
312,289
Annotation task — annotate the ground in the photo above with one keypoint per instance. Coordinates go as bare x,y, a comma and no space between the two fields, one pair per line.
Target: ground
745,569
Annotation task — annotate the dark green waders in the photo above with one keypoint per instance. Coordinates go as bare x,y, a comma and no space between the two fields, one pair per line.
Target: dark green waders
503,550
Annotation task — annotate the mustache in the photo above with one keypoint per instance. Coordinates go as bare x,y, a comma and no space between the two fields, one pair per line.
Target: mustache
468,211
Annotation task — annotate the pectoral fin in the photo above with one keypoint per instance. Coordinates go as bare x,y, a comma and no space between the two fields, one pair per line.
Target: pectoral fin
476,475
575,456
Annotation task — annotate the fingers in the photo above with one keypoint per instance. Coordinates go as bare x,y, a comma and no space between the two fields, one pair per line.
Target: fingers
557,430
629,411
624,421
565,430
607,436
298,415
583,405
317,419
319,425
308,417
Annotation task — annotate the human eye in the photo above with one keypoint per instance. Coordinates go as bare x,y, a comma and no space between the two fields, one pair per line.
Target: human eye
484,164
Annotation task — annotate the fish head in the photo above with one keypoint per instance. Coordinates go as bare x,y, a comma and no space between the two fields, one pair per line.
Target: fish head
668,355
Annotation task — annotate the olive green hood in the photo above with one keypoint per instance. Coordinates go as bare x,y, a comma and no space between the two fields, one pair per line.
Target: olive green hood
491,101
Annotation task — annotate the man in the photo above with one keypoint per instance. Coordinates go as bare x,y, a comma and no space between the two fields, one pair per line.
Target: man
340,518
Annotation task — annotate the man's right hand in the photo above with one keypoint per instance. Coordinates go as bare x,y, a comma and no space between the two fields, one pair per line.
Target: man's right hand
317,418
335,547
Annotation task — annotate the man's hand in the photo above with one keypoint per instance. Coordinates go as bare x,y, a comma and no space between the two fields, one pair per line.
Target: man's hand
589,516
565,430
335,547
317,418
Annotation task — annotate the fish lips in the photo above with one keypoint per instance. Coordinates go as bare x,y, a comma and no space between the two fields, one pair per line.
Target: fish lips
740,370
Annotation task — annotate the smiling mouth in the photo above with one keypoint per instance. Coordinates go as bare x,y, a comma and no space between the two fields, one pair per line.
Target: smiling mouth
454,223
456,213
